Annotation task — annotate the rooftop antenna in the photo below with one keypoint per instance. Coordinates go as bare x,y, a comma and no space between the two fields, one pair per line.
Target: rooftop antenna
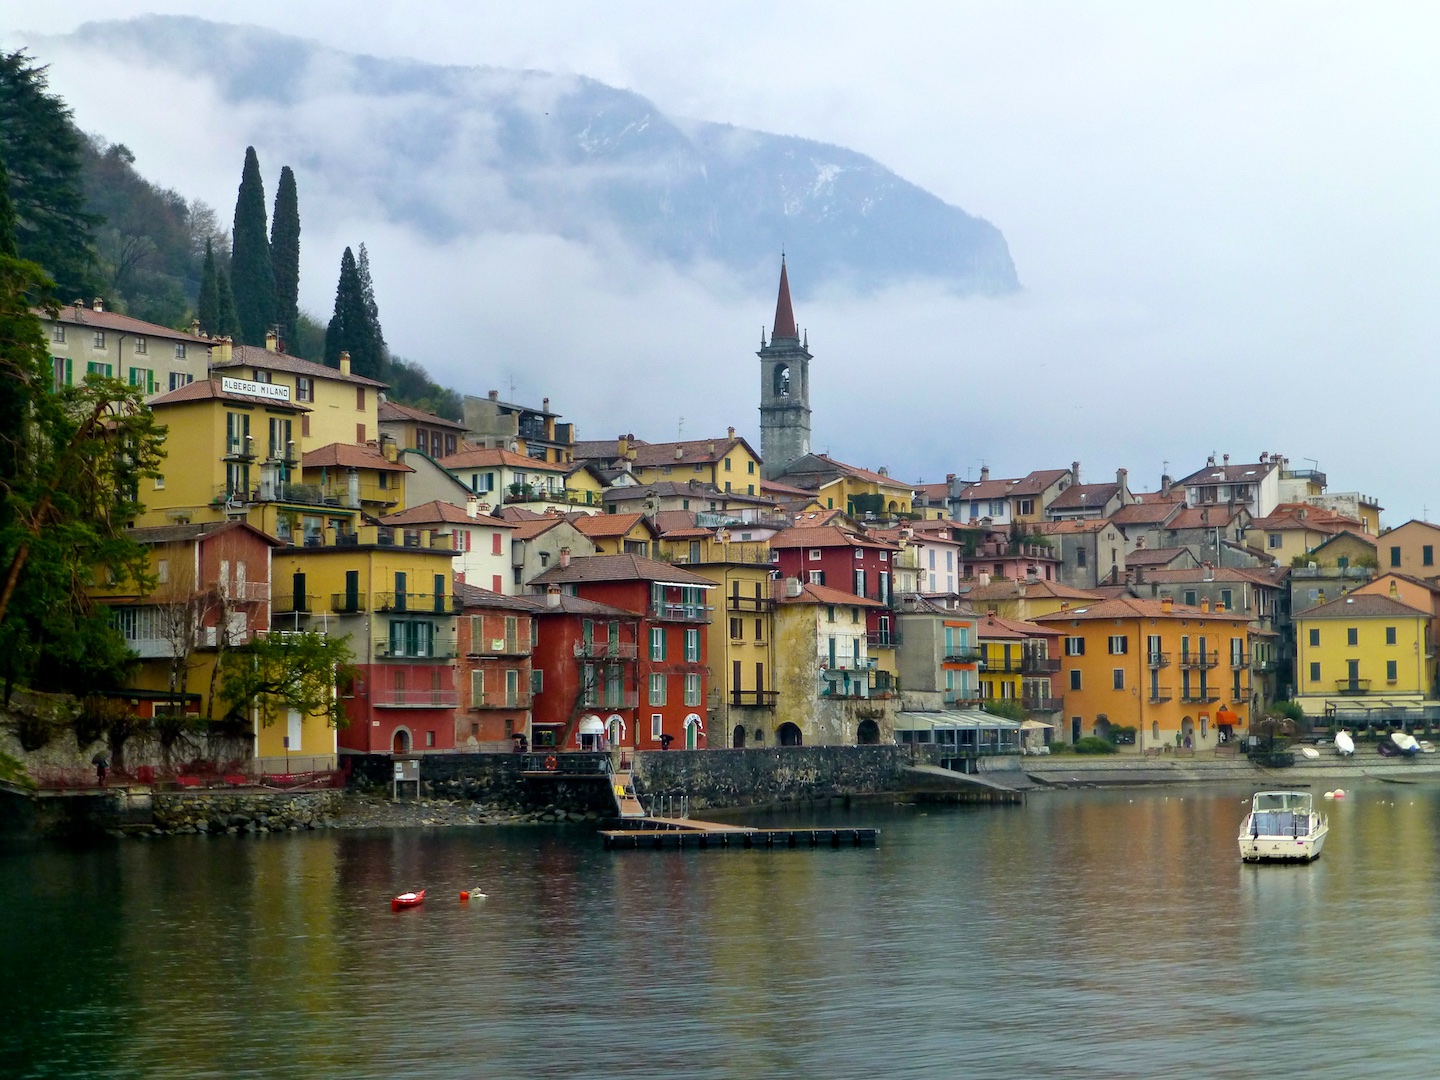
680,430
512,387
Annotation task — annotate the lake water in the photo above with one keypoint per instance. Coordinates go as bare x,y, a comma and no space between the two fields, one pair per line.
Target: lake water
1087,934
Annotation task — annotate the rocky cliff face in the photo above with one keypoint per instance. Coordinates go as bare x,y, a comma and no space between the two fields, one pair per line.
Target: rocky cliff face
460,151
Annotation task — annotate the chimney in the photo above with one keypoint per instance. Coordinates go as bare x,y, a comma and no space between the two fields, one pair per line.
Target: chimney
1122,477
949,478
792,586
98,304
1394,589
1205,604
195,327
1219,607
545,404
1139,542
494,395
220,352
730,433
984,473
622,446
712,447
272,340
1227,459
1064,605
1074,472
552,596
564,557
1165,483
389,448
884,470
472,505
1209,574
1264,456
1167,605
983,578
344,362
1210,462
679,452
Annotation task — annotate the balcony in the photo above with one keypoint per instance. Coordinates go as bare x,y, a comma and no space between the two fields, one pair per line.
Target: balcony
1001,665
414,699
245,592
961,654
855,691
1039,665
422,603
1043,704
1157,659
1262,667
1200,661
883,639
606,650
503,700
292,604
617,699
1352,686
963,699
499,646
693,613
1199,695
440,649
749,603
242,449
764,699
1159,694
885,682
346,603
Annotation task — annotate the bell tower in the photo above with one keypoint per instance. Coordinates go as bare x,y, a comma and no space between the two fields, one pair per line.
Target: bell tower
784,388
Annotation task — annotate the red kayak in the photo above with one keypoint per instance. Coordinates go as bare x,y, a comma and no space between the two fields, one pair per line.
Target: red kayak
407,899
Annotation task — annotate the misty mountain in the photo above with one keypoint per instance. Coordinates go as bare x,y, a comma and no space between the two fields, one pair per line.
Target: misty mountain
457,151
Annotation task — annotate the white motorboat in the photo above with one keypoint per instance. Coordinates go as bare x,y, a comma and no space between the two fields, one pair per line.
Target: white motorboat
1344,744
1407,744
1282,826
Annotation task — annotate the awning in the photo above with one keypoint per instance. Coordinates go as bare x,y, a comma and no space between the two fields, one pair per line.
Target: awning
1033,725
591,725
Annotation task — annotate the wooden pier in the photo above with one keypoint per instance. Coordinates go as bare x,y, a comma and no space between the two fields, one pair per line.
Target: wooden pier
679,833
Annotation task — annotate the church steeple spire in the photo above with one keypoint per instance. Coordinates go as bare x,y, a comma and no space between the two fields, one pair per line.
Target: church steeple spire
784,312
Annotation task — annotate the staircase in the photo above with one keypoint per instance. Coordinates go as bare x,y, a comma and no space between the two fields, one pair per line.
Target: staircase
623,788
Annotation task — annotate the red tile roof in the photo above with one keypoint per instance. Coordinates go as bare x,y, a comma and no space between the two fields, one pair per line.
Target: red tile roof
440,510
1033,483
1127,607
821,536
993,626
351,456
1214,516
602,526
822,594
1147,513
1084,496
1154,556
474,457
71,315
209,390
472,596
1009,590
393,411
1358,605
625,567
1228,474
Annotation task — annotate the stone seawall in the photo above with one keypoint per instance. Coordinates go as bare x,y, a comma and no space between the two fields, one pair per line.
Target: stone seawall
772,776
496,781
244,812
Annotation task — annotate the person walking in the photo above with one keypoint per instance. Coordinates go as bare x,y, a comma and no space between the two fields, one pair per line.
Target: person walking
101,761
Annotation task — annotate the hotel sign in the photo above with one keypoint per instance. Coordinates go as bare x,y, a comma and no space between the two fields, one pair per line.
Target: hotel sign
273,391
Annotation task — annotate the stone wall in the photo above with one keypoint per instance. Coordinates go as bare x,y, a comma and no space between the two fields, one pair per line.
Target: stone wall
240,812
494,779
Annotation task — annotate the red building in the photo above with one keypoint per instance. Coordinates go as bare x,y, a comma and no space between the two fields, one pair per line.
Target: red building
837,558
495,637
671,665
586,674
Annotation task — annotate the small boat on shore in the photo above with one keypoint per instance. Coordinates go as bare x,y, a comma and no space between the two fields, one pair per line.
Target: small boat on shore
1344,744
407,900
1282,826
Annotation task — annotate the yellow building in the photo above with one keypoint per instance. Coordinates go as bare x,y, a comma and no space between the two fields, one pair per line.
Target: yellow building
729,463
1295,529
1018,662
1363,651
1179,677
861,493
743,696
617,534
1410,549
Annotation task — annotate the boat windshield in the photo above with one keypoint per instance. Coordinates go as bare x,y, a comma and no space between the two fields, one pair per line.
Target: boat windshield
1282,800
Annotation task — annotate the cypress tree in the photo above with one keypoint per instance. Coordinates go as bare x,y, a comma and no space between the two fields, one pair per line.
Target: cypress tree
372,310
227,323
251,277
207,308
350,327
285,257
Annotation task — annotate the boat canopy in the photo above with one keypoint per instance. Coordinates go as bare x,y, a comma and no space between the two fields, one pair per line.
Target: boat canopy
1282,800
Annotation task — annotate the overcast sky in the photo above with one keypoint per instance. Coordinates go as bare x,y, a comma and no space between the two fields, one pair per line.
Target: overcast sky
1225,222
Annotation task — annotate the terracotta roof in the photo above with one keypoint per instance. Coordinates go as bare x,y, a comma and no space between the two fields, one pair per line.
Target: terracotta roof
1310,518
820,536
519,513
209,390
1429,585
71,315
1008,590
440,510
869,475
1154,556
1032,483
784,312
339,455
810,519
1213,516
576,605
1274,576
178,534
255,356
529,528
1157,512
474,457
930,605
1229,474
1084,496
934,493
775,487
822,594
677,523
625,567
1128,607
1358,605
598,526
995,626
394,411
472,596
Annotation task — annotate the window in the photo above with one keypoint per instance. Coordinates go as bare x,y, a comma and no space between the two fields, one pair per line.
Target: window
750,466
143,378
1314,673
94,368
657,643
1119,678
1074,646
57,334
727,464
181,378
162,570
817,577
1394,556
692,646
1027,506
1315,637
814,555
829,612
884,556
1190,598
360,398
304,389
1119,644
1075,679
99,340
692,688
1274,540
1389,635
1427,555
657,689
360,434
64,372
1080,556
657,724
1392,670
537,680
859,553
142,347
859,583
759,629
160,483
737,629
179,350
1352,635
1153,649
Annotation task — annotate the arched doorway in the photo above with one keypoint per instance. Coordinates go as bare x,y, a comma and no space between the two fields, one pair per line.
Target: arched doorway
1187,733
737,737
789,735
1102,727
694,731
401,745
592,733
868,733
615,728
759,736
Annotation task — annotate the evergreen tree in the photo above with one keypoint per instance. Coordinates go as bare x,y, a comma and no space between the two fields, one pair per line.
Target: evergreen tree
42,150
228,323
285,257
251,277
350,328
8,249
207,307
372,310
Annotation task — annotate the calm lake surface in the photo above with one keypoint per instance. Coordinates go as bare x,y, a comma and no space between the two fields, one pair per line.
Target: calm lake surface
1087,934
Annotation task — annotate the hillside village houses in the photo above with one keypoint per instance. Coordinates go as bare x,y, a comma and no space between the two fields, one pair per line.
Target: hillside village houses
503,584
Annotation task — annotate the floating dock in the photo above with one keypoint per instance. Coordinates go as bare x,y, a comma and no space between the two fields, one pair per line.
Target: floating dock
679,833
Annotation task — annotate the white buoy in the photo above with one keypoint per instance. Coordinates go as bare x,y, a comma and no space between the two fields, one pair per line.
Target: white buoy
1329,794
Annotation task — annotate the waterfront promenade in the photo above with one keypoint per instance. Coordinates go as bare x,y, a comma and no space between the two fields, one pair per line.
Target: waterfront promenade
1072,770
